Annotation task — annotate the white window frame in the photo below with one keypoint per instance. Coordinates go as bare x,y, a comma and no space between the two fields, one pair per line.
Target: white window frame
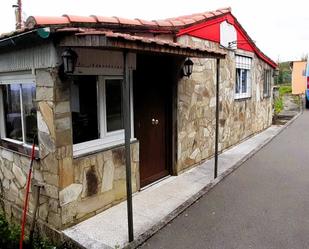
107,139
243,63
17,79
267,83
113,135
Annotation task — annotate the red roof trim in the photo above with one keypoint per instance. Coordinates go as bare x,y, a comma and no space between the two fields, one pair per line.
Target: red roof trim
258,52
201,25
231,19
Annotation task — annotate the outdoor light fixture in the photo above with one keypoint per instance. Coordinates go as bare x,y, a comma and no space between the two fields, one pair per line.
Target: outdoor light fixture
187,68
276,72
69,58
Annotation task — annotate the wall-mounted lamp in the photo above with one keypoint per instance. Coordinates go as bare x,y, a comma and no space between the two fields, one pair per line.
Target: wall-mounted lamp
276,72
187,68
69,59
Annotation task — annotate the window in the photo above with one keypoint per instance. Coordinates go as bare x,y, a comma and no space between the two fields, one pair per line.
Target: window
84,109
96,104
267,83
18,111
243,77
113,105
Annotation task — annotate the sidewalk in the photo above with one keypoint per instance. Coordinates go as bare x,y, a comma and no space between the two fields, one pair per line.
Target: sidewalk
157,205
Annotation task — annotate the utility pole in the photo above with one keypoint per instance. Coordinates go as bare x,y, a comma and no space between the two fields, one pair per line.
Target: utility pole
18,14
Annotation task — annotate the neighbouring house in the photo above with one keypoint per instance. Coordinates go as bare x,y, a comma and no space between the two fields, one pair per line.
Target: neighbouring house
78,115
299,80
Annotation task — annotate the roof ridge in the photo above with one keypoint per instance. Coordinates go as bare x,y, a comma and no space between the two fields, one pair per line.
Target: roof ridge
67,19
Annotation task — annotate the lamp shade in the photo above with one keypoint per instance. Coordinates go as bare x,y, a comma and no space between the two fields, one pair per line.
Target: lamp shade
188,67
69,58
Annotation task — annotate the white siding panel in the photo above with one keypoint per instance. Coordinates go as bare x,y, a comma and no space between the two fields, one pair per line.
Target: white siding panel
42,56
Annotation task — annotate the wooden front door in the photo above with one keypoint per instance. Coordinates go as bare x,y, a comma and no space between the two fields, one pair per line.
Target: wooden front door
151,95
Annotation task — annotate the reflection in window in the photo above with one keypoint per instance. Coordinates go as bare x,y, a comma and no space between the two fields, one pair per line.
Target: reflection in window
113,93
12,110
29,108
96,105
244,80
237,89
20,112
267,83
84,109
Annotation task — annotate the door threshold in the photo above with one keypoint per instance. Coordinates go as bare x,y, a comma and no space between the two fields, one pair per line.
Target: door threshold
155,183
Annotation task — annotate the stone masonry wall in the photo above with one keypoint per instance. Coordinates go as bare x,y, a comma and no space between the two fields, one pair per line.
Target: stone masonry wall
99,183
73,188
196,106
14,167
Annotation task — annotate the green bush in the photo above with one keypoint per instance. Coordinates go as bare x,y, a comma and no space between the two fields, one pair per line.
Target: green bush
9,234
278,105
284,90
278,102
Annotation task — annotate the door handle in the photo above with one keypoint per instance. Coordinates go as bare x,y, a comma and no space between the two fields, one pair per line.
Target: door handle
155,121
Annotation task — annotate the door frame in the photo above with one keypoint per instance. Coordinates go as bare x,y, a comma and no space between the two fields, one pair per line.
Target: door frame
171,114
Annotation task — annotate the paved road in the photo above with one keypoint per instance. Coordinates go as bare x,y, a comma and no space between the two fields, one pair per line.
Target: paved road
263,204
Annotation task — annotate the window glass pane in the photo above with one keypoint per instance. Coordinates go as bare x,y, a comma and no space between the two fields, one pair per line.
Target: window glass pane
29,108
265,82
84,109
12,111
114,117
244,80
267,78
268,82
237,89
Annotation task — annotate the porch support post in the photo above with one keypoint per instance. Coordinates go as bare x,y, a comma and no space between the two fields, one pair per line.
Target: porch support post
217,119
127,128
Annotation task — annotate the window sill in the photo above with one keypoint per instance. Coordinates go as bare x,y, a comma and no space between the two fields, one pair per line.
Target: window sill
242,98
18,148
99,147
266,96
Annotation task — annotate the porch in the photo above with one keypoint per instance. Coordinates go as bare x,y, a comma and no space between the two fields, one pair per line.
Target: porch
158,204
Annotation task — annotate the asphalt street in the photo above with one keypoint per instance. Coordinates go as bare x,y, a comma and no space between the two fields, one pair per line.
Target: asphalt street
262,204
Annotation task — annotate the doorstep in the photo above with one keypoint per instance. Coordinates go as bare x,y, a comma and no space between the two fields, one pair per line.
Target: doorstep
157,205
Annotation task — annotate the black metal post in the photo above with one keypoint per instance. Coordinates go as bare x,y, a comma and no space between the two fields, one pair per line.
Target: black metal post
127,128
217,118
36,205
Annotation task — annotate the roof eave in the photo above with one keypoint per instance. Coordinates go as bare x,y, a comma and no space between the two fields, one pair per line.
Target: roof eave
118,43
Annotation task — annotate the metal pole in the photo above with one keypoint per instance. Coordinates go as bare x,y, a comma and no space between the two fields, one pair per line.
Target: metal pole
19,17
217,118
127,128
37,203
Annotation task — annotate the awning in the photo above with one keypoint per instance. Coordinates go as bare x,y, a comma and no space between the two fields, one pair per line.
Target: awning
112,40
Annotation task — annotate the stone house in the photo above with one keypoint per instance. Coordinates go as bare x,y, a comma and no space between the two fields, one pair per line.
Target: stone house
78,116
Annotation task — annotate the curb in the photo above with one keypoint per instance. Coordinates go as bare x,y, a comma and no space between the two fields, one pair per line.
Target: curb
150,232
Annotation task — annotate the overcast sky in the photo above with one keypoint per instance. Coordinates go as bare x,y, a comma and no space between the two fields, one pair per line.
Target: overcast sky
280,28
